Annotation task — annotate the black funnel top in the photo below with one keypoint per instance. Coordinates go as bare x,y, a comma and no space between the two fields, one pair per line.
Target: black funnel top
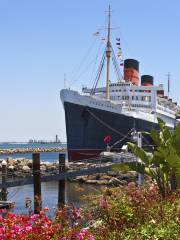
131,63
147,79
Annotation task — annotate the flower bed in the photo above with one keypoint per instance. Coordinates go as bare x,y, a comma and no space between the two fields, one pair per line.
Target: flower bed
40,227
123,213
137,213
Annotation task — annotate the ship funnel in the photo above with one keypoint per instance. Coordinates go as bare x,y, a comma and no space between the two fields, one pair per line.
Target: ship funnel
131,71
147,80
160,93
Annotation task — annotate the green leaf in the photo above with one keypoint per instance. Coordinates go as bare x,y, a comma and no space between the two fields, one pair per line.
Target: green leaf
130,166
167,137
161,123
155,137
140,153
176,139
173,159
121,167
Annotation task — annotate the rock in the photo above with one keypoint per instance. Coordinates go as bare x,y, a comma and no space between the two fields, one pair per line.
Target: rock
92,177
100,182
112,173
26,169
10,161
11,168
82,179
21,160
99,176
51,168
114,181
43,168
29,163
123,182
126,176
79,164
91,181
133,173
106,177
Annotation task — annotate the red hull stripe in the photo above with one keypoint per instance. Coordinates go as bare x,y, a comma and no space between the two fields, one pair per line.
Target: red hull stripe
80,154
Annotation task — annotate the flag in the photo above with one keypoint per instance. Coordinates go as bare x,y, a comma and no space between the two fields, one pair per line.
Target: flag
107,138
96,34
118,39
119,54
120,57
120,51
103,40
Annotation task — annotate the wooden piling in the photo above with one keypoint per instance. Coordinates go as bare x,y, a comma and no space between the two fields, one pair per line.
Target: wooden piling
4,179
37,182
61,190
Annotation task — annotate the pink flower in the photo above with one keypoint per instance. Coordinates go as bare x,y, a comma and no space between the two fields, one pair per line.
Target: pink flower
90,237
34,217
46,209
28,229
3,210
84,231
103,202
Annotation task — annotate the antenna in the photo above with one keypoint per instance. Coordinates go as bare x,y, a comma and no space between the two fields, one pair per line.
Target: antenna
169,76
64,81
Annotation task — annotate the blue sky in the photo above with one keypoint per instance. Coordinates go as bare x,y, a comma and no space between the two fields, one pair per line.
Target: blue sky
41,40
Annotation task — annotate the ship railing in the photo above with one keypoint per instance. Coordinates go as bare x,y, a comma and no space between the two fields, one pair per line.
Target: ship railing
165,109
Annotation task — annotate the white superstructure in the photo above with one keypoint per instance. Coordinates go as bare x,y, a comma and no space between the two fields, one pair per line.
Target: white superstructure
140,102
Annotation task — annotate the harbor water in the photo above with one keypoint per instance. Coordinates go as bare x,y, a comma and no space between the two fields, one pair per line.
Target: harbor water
74,194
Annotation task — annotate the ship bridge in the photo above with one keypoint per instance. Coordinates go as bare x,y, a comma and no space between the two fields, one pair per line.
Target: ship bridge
129,95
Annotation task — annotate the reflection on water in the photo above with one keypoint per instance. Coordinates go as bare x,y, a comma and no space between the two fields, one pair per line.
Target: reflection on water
74,193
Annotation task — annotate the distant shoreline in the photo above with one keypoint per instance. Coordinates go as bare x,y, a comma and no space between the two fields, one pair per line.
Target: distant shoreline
38,142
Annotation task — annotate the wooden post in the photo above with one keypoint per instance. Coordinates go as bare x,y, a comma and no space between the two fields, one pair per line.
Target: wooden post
4,178
37,182
61,190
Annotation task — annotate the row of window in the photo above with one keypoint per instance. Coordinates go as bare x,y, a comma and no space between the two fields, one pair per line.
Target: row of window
109,106
101,104
119,84
140,98
130,90
140,105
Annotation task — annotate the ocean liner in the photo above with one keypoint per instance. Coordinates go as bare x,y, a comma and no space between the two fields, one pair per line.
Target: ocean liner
106,116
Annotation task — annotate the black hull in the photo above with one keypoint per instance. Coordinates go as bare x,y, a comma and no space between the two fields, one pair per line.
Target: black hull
86,128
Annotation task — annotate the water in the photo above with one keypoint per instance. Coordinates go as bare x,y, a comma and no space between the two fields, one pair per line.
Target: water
73,194
74,191
50,157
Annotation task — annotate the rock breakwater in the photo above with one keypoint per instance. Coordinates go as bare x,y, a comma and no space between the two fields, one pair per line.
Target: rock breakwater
22,167
30,150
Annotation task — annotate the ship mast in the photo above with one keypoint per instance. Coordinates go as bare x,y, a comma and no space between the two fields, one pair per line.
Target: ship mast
108,56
